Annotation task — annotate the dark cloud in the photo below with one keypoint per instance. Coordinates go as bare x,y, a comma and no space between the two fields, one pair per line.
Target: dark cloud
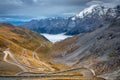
46,8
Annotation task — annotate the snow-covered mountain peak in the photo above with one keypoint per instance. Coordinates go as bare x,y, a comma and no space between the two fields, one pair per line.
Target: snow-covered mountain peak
89,10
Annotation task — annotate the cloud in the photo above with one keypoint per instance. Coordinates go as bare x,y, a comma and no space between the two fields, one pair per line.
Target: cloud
55,38
37,8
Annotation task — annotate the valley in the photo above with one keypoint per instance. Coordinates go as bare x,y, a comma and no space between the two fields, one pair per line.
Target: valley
89,49
28,62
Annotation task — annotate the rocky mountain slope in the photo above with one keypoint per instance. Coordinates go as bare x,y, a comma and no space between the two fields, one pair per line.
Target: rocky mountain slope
98,50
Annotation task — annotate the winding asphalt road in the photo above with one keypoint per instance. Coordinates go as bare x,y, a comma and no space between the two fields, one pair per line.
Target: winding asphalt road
87,73
16,62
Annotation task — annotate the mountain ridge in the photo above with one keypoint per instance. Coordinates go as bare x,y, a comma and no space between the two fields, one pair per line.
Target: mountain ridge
91,16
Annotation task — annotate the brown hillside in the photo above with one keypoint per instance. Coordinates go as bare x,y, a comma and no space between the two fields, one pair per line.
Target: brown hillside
29,48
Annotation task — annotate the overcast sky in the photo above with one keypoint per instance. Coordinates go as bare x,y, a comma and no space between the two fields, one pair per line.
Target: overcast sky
47,8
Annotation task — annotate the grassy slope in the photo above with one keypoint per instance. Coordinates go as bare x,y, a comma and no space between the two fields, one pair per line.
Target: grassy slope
18,39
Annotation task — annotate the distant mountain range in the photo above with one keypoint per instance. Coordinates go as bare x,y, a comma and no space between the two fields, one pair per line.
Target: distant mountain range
87,20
